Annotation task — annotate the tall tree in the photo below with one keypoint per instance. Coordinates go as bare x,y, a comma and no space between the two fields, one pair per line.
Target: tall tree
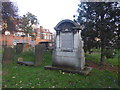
9,13
101,20
26,23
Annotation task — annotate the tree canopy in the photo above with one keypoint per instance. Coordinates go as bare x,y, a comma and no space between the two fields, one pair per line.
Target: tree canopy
9,13
100,20
26,23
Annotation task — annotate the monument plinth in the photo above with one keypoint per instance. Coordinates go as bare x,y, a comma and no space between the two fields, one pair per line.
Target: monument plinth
68,53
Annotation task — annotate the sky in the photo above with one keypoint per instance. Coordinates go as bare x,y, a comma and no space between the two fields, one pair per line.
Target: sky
49,12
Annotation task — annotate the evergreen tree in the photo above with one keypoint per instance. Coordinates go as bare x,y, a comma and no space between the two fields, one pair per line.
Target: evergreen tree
9,14
101,20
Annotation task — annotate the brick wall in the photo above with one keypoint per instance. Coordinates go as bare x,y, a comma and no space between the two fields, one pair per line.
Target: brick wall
42,36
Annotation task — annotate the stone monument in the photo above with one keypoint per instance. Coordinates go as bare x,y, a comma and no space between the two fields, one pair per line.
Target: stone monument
22,47
39,51
68,53
8,55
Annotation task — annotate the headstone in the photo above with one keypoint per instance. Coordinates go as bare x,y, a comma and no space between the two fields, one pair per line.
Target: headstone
8,55
46,45
19,48
22,47
39,51
68,53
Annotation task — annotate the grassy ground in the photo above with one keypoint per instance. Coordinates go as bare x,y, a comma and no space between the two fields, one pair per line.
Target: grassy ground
96,58
0,67
0,50
17,76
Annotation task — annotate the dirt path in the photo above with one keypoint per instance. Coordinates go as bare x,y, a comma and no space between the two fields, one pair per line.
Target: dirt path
105,67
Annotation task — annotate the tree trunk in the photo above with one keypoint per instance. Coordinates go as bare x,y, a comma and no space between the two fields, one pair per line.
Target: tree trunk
27,40
102,52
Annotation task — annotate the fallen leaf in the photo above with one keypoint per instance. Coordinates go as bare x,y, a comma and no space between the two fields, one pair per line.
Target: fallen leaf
20,81
13,77
5,86
53,86
32,87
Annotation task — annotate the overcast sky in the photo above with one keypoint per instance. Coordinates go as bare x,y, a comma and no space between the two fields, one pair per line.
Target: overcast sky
49,12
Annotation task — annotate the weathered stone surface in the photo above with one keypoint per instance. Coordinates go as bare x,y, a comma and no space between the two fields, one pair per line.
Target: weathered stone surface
22,47
19,48
68,53
27,63
8,55
66,41
85,71
39,51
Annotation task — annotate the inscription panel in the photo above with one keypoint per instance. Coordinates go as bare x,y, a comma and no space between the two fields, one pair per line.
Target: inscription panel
67,41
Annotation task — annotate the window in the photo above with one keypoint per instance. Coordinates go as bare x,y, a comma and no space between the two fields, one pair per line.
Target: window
31,42
45,36
7,33
24,41
15,42
50,37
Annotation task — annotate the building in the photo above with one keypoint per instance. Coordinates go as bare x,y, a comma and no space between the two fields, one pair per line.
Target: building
12,38
43,35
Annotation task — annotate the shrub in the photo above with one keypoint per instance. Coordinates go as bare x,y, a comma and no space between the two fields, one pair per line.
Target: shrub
109,53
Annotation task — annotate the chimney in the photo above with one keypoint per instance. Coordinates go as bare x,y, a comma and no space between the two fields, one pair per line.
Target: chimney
41,27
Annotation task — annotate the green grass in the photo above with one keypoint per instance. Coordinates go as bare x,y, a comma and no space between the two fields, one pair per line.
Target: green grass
96,58
17,76
96,50
0,66
27,56
0,50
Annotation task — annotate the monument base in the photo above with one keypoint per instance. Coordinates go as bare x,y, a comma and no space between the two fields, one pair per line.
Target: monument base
27,63
85,71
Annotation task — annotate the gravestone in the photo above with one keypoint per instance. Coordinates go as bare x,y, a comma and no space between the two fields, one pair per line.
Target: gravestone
19,48
39,51
8,55
68,53
22,47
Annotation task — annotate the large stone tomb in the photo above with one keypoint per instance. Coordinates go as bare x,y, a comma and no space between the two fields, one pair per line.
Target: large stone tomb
68,53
